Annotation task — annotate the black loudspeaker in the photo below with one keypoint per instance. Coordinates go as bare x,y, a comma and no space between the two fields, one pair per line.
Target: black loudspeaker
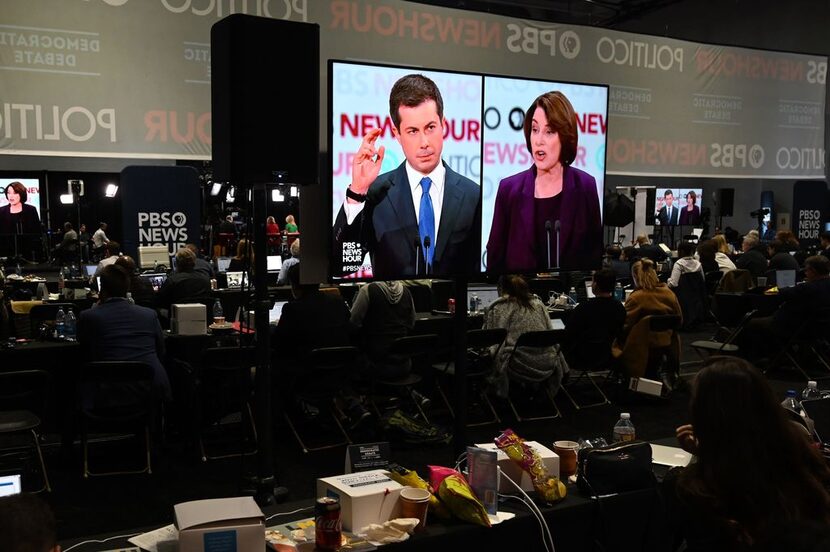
265,99
726,201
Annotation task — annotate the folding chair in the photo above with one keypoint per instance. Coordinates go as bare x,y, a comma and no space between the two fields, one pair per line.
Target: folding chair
590,353
413,348
535,341
23,393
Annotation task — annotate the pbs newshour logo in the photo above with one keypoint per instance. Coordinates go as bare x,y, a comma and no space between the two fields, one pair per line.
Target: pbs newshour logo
569,44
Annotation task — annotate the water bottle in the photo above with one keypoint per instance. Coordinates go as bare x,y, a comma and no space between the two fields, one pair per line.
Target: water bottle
792,402
130,298
619,293
572,297
811,391
60,324
71,325
473,303
624,429
218,313
61,282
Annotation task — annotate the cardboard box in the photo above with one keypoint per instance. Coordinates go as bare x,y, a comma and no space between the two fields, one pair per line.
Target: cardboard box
365,497
220,524
188,319
514,472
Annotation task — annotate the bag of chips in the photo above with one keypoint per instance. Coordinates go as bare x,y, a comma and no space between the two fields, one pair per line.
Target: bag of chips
457,495
549,487
410,478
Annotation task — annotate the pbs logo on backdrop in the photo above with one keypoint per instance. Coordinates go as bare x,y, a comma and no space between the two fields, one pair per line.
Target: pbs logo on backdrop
569,44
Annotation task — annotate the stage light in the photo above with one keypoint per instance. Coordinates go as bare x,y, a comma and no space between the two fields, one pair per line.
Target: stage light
230,197
295,191
215,188
111,190
67,199
277,196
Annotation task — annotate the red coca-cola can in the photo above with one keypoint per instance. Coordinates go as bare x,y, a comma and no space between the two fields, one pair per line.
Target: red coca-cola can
451,306
327,523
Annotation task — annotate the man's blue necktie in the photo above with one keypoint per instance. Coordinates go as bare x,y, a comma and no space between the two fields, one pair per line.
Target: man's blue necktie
426,223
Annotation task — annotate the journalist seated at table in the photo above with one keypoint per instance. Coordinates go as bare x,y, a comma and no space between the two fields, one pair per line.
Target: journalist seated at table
617,263
115,329
754,256
800,305
780,257
140,289
111,251
647,249
754,469
650,296
202,266
282,279
685,263
602,316
185,285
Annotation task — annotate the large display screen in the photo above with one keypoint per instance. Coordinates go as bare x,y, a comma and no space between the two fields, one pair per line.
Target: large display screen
677,206
435,191
19,206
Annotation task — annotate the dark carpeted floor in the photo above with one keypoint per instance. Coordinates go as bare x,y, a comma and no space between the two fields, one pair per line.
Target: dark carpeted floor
115,503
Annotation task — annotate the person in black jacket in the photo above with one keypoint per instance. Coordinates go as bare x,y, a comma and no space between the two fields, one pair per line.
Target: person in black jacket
780,257
754,257
185,286
602,316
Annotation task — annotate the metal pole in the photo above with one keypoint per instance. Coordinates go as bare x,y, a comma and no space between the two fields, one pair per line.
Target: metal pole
459,436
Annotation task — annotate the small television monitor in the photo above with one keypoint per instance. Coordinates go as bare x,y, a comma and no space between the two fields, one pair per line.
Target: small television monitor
222,264
677,207
23,194
274,263
153,256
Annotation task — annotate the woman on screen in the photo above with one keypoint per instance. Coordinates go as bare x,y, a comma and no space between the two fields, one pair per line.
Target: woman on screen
690,215
17,217
548,215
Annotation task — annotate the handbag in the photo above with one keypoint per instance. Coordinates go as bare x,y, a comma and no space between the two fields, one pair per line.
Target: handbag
624,466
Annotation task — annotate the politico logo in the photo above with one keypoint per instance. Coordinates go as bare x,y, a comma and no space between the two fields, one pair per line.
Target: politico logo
736,155
800,158
636,53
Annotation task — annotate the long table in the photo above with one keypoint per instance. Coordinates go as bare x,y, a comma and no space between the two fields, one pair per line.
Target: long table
631,521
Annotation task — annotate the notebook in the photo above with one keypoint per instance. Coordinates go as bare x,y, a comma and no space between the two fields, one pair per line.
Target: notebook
669,456
819,411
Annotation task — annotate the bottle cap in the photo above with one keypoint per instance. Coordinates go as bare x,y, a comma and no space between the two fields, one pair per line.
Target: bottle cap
791,393
625,416
812,384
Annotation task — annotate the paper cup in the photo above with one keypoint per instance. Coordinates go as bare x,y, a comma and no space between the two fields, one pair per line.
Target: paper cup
566,450
414,504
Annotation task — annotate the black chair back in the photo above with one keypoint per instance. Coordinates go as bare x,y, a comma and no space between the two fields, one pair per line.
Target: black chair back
590,352
538,339
413,345
228,358
479,339
25,390
332,358
712,281
693,299
664,322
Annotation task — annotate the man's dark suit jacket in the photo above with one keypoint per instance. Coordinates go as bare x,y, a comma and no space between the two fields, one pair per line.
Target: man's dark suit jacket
184,287
754,260
801,304
119,330
387,227
663,217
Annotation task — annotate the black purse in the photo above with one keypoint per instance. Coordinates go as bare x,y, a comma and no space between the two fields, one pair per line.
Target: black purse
617,468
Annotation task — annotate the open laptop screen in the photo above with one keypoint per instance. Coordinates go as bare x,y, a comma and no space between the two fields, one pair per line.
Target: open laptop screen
274,263
156,280
486,294
9,485
222,264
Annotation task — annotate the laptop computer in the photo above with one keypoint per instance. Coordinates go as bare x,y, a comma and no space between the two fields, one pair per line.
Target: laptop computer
486,294
155,279
274,263
89,270
785,278
669,456
235,279
276,312
9,485
222,264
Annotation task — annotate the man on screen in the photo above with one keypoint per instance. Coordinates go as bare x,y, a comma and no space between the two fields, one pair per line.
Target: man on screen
421,218
667,214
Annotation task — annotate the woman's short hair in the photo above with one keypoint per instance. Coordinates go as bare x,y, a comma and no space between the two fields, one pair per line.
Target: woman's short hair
20,189
295,248
561,119
644,274
289,219
692,195
270,220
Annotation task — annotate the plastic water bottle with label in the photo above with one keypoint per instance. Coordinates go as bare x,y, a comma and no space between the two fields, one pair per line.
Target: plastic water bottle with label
572,297
218,313
71,325
619,293
792,402
624,429
60,324
130,298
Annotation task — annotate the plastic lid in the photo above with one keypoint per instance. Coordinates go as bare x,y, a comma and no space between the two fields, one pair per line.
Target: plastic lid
625,416
791,393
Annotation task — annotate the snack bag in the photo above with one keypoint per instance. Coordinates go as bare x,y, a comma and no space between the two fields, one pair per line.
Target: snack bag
457,495
550,488
410,478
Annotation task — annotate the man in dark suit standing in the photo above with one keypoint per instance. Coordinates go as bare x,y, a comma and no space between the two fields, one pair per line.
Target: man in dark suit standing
421,218
667,214
116,329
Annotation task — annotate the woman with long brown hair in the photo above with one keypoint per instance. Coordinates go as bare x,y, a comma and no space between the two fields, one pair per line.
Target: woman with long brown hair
754,468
